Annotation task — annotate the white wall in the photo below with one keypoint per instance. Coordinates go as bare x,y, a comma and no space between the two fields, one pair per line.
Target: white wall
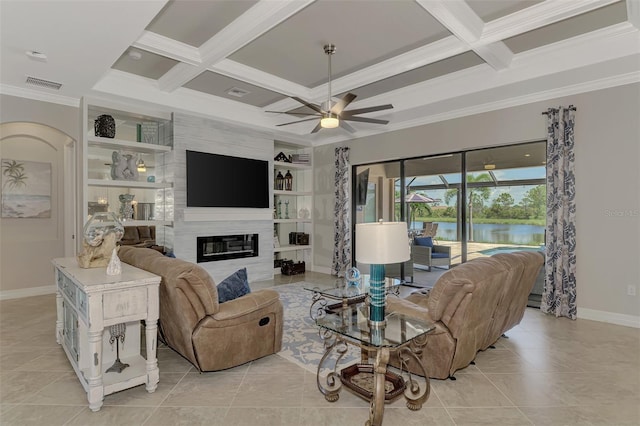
34,131
607,184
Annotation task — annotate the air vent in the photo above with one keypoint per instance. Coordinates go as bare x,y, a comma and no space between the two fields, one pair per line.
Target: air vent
43,83
237,92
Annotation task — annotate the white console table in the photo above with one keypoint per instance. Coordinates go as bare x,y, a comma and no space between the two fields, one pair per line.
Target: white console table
89,302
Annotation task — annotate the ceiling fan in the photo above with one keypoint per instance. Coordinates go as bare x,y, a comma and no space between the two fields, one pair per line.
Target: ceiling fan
333,114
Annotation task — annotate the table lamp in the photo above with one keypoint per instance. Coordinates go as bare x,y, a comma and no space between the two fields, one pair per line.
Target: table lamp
378,244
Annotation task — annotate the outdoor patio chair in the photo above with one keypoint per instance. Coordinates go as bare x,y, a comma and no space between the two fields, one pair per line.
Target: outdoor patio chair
429,229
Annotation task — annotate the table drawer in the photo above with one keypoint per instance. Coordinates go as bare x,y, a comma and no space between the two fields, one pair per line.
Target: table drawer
67,287
124,303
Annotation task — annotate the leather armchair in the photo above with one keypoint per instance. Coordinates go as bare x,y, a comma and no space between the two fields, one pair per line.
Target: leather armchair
212,336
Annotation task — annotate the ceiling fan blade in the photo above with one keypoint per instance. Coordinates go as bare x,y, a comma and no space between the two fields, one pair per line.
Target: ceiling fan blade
318,127
294,122
347,127
365,110
316,108
365,120
342,103
294,113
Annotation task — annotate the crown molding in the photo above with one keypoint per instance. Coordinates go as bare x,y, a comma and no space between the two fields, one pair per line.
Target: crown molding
633,13
260,18
536,16
36,95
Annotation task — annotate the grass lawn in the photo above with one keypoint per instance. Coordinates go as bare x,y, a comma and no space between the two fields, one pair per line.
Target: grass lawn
539,222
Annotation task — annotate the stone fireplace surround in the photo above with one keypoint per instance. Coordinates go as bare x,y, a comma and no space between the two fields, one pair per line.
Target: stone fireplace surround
207,135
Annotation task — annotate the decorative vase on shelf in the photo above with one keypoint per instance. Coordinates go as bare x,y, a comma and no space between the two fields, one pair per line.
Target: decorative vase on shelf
126,206
105,126
303,213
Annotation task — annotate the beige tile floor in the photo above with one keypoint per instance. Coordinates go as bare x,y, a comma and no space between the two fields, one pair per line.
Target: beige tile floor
549,372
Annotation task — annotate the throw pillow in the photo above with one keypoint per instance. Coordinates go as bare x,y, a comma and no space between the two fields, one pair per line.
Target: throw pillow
234,286
423,241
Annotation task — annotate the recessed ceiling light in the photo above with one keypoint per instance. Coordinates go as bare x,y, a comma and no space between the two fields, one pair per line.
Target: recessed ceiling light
489,166
237,92
135,55
35,55
527,155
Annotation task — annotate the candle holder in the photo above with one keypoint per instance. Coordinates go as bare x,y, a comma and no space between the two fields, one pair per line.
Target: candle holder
118,332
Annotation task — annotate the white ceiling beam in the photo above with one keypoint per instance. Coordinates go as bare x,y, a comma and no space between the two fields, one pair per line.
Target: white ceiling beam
168,47
408,61
497,54
260,18
457,17
633,12
464,23
259,78
537,16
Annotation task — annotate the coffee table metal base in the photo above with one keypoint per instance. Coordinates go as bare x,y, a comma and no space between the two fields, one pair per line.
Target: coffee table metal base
416,388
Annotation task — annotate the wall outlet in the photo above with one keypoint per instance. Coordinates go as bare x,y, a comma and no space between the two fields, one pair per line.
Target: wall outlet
631,290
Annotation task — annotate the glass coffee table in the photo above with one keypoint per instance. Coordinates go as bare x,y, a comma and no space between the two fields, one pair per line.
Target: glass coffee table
344,295
401,339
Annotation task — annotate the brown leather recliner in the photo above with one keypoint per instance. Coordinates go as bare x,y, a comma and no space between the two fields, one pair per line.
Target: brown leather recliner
211,335
471,306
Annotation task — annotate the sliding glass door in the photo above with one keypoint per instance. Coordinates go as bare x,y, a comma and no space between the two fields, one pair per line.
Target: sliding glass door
471,204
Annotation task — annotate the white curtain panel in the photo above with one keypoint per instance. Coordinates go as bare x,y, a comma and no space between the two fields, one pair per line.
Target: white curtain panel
559,295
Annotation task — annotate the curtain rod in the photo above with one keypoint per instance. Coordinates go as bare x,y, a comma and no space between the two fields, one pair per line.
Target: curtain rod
570,107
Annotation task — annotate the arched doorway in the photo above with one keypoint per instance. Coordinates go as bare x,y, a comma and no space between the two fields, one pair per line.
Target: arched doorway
30,239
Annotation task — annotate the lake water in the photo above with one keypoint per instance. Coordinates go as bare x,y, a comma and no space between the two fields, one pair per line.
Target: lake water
532,235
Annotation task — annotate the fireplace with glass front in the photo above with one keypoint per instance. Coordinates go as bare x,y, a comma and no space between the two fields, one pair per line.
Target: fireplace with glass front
224,247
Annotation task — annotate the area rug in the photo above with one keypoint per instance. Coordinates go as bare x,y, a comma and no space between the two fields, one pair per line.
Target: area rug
301,343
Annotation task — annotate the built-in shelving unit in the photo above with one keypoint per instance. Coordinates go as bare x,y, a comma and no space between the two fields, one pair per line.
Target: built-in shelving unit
143,136
297,199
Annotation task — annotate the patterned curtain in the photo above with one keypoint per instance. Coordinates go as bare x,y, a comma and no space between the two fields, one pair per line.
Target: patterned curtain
559,295
342,220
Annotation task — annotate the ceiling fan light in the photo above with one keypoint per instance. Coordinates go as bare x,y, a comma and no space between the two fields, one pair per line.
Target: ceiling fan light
329,122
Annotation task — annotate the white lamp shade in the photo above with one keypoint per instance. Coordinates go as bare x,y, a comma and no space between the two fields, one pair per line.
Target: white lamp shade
381,243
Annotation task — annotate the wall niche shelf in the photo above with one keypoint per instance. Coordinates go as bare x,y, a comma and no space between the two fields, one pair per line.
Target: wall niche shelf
117,144
128,184
291,248
143,142
292,202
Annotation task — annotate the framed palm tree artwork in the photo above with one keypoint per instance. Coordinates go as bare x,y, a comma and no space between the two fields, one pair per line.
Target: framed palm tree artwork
26,189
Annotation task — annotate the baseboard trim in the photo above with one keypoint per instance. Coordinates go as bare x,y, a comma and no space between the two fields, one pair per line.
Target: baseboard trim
27,292
610,317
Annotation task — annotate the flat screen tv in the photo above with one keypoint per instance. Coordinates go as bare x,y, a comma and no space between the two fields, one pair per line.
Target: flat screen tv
215,180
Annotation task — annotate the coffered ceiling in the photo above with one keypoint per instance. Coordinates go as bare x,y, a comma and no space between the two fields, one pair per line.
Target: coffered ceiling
236,59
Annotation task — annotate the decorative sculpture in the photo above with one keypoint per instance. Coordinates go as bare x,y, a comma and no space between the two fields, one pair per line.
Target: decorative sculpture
123,167
101,233
115,266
